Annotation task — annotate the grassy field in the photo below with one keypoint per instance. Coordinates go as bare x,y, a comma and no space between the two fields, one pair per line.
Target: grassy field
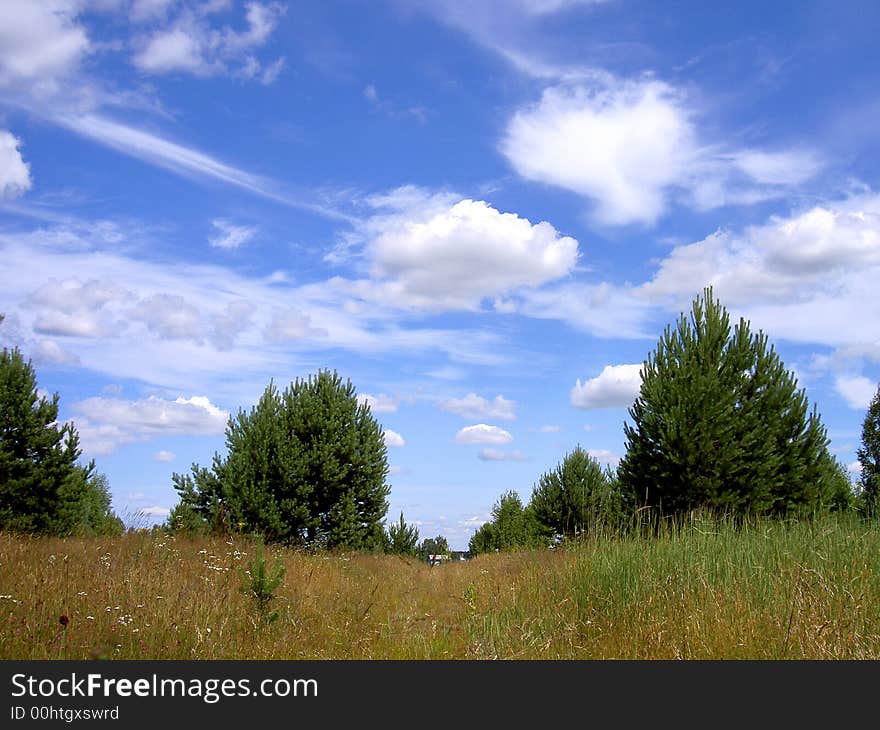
771,591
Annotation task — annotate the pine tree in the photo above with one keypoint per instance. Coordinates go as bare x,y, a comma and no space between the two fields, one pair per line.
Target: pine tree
512,526
42,489
869,457
720,423
304,466
576,494
403,539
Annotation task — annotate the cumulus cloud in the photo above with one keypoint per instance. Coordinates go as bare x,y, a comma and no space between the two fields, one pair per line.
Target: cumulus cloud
380,403
193,45
857,390
808,277
393,439
164,456
104,424
15,174
232,321
475,406
632,147
615,387
74,307
40,44
499,455
230,236
437,251
482,433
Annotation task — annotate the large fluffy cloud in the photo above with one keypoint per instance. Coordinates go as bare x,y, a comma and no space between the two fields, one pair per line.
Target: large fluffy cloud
616,386
808,277
633,146
40,43
104,424
436,252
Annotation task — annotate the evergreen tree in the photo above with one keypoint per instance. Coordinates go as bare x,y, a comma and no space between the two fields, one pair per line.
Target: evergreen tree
433,546
42,488
575,495
720,423
512,527
304,466
403,539
869,457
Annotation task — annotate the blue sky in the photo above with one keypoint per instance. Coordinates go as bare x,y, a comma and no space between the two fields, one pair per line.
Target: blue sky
482,213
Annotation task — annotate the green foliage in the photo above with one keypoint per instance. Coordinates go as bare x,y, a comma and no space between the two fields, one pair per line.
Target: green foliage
577,495
512,527
403,539
261,583
869,457
304,466
86,511
42,488
719,423
433,546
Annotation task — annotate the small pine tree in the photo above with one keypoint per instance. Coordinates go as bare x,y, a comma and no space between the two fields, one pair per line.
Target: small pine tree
513,526
720,423
304,466
869,457
403,539
576,495
42,488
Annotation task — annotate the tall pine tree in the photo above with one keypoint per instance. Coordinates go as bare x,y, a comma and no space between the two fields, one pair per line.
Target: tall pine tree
42,488
720,423
869,457
304,466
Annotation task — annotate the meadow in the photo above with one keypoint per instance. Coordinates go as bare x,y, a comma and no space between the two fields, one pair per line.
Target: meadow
698,590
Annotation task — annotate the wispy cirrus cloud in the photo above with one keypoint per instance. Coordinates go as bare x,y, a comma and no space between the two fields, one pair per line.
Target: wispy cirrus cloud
186,161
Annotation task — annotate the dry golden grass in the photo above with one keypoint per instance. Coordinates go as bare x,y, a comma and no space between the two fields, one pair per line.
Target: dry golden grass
802,591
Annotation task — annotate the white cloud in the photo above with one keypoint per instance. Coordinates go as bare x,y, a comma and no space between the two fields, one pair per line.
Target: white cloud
426,251
104,424
40,43
808,277
857,390
475,406
231,322
191,44
92,318
604,456
393,439
615,387
155,511
146,10
632,147
15,174
790,167
380,403
169,316
622,148
499,455
482,433
229,235
550,429
292,325
164,456
855,468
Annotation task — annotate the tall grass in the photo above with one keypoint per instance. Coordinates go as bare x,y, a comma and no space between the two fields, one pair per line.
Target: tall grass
699,589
